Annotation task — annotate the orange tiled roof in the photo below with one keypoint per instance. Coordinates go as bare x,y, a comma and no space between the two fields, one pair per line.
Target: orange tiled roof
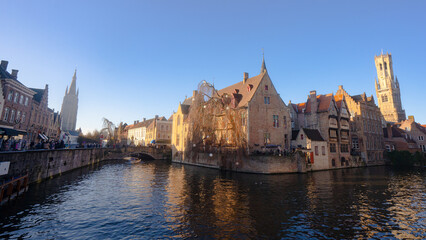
323,103
300,107
244,95
338,98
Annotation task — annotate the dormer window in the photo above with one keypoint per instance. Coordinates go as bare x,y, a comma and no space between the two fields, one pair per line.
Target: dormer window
301,136
266,87
249,87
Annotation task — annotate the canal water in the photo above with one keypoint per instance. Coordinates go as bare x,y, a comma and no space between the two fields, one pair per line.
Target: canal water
161,200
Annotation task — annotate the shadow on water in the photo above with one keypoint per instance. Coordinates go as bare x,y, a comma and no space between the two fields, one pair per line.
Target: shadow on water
157,199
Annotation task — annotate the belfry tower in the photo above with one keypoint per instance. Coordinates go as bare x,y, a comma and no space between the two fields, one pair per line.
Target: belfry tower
70,106
387,90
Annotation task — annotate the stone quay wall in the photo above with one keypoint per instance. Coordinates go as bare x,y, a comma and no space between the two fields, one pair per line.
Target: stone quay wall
42,164
265,164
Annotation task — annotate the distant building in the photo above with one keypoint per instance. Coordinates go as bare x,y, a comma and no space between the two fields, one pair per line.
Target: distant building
137,132
397,139
366,126
415,131
41,115
70,107
159,131
387,90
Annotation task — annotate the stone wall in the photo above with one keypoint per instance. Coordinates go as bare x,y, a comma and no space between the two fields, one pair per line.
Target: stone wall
251,164
42,164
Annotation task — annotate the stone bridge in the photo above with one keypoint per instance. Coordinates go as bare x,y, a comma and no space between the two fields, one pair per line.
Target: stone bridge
147,153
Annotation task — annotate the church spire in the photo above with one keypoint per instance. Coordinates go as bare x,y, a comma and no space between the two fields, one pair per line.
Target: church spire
263,68
73,84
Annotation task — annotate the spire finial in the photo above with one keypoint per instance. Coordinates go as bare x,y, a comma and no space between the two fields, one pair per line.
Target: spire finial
263,68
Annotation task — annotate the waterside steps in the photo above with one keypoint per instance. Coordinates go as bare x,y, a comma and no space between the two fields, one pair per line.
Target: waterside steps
12,189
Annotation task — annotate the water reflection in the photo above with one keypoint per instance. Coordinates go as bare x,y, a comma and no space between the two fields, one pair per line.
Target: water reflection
162,200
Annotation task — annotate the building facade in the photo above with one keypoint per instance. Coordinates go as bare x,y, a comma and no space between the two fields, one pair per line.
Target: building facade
329,115
70,106
366,127
159,131
416,132
248,116
17,100
311,142
387,90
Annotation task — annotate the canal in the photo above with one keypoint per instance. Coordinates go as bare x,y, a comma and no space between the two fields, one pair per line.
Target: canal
158,199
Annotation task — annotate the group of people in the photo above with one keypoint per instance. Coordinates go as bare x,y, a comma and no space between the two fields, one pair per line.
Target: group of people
12,144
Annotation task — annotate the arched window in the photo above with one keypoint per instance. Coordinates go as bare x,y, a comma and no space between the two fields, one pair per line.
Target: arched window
333,162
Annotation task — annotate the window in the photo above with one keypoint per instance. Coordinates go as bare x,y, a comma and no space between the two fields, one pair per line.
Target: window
384,98
344,134
21,99
177,139
6,114
323,150
178,120
332,147
266,138
355,143
381,67
275,123
421,138
12,116
386,65
423,147
18,116
267,100
23,117
316,151
388,148
15,99
26,101
344,148
285,122
301,136
243,119
333,162
266,87
333,133
10,95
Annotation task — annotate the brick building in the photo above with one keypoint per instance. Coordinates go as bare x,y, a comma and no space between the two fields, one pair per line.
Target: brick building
366,126
17,101
416,132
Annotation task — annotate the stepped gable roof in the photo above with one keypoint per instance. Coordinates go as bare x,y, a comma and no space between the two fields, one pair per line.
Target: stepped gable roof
246,90
338,99
313,134
294,134
39,94
323,103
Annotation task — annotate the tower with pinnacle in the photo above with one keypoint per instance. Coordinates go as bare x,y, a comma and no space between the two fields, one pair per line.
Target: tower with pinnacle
70,106
387,89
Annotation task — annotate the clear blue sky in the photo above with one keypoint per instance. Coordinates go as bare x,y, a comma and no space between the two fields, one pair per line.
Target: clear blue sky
137,59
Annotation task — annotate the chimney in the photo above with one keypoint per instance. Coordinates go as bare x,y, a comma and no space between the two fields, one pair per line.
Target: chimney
4,64
195,92
389,130
411,118
156,116
313,93
15,73
134,122
246,76
340,87
144,119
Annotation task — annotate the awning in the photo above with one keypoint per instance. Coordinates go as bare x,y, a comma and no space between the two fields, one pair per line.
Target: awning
11,132
42,136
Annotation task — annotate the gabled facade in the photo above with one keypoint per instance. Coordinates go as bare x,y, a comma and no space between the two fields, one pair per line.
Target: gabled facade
159,131
311,142
387,90
247,116
137,133
416,132
366,127
330,116
41,115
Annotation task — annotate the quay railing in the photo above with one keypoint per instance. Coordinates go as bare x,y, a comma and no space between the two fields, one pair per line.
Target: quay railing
12,189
